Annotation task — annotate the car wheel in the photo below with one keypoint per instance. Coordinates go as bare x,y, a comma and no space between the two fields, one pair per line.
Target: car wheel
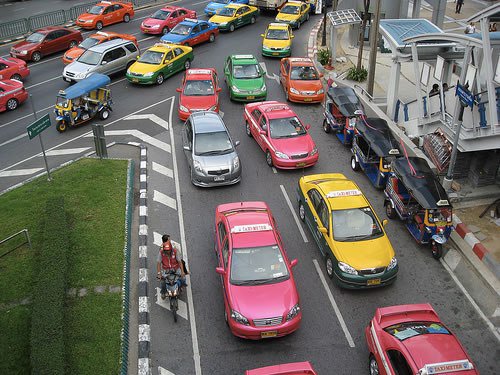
247,128
390,211
187,64
298,25
225,316
61,127
252,20
129,64
12,104
165,30
36,56
104,114
159,79
326,126
329,266
16,77
373,366
73,43
231,27
98,25
354,164
287,96
437,250
269,158
211,38
126,18
302,212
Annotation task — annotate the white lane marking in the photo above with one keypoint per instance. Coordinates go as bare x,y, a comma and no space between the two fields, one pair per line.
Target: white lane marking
289,203
163,170
274,170
157,238
143,230
164,199
180,214
143,210
143,275
490,325
45,61
149,37
152,117
67,151
14,139
21,118
138,134
162,371
19,172
143,251
144,332
334,305
200,2
165,303
41,83
143,366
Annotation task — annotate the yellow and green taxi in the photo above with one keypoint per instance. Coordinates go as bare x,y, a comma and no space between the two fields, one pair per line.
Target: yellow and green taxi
235,15
277,40
159,62
294,13
344,225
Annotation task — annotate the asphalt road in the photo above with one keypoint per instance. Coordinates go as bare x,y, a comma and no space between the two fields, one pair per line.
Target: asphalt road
202,337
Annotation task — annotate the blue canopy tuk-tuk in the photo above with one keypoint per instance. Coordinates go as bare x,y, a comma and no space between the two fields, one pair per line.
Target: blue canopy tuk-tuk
373,148
342,109
415,195
83,101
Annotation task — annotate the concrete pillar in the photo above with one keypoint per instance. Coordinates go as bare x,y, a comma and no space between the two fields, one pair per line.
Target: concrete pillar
393,88
415,13
438,13
404,6
418,85
488,65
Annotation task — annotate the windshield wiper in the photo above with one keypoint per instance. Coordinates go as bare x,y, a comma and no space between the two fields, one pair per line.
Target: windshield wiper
214,152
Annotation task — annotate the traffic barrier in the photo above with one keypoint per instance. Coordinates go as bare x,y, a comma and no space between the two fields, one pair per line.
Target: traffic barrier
57,17
76,10
14,28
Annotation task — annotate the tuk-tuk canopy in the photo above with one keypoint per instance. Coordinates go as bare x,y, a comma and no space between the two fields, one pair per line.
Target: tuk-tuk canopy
94,82
377,134
346,100
416,175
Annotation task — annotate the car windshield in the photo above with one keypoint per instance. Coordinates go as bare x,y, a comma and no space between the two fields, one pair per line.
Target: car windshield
258,265
355,224
227,12
96,9
35,38
151,57
89,42
160,14
222,1
246,71
286,127
290,9
215,143
181,30
90,57
403,331
277,34
304,73
198,87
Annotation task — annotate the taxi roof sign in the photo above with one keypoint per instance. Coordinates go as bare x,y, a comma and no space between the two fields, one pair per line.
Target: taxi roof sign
444,367
343,193
243,57
278,24
277,107
251,228
191,20
394,151
442,202
300,59
199,71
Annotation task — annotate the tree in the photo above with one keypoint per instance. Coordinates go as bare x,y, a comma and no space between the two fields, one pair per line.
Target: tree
361,42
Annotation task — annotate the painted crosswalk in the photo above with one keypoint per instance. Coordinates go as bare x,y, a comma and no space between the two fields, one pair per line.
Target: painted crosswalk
20,172
165,303
162,170
67,151
164,199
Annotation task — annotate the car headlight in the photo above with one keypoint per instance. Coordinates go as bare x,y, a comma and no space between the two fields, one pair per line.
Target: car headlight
292,90
314,151
392,264
320,91
128,71
286,48
294,311
223,24
344,267
183,109
236,162
237,317
281,155
155,26
88,21
235,89
197,166
23,52
263,88
150,74
213,108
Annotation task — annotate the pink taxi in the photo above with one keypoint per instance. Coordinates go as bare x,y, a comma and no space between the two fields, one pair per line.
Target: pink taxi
280,134
260,296
297,368
164,19
410,339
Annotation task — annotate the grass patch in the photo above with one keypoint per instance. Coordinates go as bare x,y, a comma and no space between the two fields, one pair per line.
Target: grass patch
94,195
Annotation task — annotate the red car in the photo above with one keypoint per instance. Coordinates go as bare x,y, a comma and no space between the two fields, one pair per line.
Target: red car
163,20
199,92
46,41
12,68
297,368
260,296
280,134
105,13
12,93
410,339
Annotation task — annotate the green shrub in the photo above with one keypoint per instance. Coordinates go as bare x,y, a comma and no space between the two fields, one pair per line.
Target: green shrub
323,56
48,354
358,75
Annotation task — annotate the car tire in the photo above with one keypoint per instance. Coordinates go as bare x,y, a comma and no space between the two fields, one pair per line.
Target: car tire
298,25
129,64
437,250
17,77
269,158
98,25
61,127
160,78
389,210
73,44
231,27
165,30
211,38
187,64
104,114
329,266
126,18
247,129
354,164
225,316
302,211
287,96
326,126
373,365
36,56
11,104
253,20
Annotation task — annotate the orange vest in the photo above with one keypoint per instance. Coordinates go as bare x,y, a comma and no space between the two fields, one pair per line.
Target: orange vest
169,262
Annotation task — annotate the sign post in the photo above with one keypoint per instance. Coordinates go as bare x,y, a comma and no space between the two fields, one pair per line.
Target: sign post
36,128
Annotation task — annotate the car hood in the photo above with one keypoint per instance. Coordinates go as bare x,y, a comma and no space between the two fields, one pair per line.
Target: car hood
287,17
198,102
214,162
87,16
248,84
74,53
306,85
24,45
143,68
153,21
220,19
373,253
295,145
173,38
272,43
264,301
78,67
20,63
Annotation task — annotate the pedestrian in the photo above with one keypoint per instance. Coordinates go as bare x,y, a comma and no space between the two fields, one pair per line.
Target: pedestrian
470,28
434,90
458,7
493,27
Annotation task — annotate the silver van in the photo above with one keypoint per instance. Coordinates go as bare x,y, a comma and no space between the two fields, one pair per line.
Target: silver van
210,151
106,58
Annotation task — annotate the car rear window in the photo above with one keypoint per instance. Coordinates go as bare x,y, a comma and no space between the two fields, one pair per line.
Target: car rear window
403,331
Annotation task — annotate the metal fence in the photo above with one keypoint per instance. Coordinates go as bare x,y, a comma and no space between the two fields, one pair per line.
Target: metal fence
55,18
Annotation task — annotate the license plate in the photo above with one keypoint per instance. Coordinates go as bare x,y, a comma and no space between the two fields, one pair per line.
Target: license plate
275,53
373,282
135,80
219,178
250,97
308,100
67,79
269,334
301,164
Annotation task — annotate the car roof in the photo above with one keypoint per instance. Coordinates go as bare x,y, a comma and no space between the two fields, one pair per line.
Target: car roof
103,47
47,29
244,59
276,110
171,7
191,22
207,122
163,47
294,3
103,34
235,6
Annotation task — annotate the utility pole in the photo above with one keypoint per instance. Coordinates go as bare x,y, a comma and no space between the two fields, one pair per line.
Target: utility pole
373,48
323,37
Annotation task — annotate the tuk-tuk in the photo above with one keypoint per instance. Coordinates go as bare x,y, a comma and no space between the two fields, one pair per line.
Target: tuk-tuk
414,194
342,109
373,149
83,101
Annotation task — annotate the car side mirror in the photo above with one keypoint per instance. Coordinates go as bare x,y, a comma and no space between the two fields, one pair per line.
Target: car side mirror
293,36
308,126
178,89
263,132
104,63
219,89
236,144
187,148
385,222
322,230
262,35
220,271
293,263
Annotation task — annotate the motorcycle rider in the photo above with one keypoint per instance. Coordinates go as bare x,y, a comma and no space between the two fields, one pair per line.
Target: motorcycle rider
169,259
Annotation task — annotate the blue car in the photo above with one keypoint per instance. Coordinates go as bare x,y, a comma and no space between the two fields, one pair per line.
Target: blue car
190,32
213,7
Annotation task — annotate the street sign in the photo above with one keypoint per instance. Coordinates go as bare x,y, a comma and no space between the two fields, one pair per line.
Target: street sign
38,126
465,96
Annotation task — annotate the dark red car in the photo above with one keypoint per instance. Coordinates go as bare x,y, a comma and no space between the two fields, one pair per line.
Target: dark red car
12,93
12,68
46,41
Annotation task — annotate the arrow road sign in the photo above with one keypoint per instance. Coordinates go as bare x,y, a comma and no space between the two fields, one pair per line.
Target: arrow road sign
38,126
273,77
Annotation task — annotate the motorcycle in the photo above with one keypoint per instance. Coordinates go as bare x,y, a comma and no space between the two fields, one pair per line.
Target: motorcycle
173,289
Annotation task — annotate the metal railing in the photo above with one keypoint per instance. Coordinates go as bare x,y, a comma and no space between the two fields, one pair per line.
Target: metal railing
27,241
371,98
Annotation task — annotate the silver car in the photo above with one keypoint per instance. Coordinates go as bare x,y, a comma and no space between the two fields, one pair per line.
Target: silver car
210,151
106,58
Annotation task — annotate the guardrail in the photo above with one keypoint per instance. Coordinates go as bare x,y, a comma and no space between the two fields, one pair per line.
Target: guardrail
27,241
371,98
